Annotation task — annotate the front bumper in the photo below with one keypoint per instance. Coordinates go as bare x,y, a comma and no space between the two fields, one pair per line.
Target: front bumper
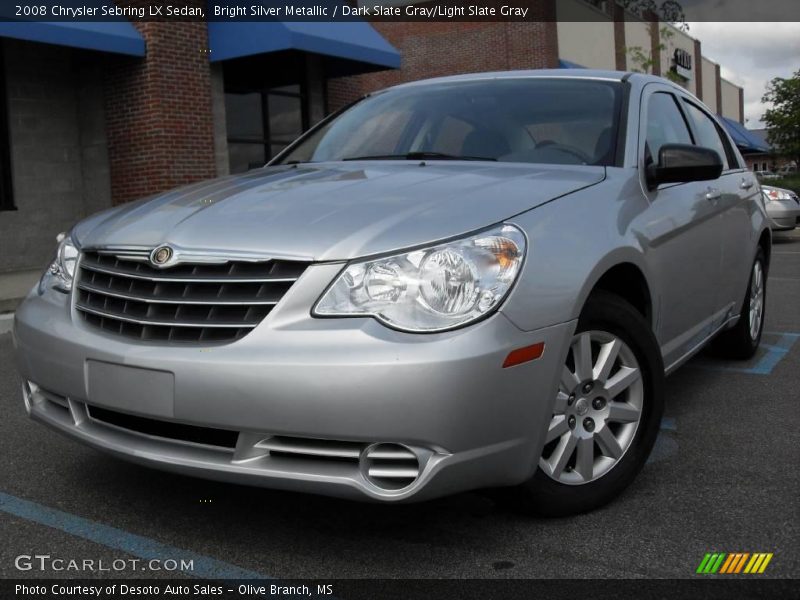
351,383
783,214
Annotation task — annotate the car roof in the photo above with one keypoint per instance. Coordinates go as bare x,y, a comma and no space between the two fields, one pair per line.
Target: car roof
578,74
535,73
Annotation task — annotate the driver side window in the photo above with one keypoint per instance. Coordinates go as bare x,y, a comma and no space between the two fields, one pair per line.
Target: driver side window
707,132
665,125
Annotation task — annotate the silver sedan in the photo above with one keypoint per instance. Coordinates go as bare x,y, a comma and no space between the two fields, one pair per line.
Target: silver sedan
456,283
783,207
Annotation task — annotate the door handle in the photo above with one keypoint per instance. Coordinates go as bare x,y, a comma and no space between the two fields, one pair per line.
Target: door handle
746,184
713,194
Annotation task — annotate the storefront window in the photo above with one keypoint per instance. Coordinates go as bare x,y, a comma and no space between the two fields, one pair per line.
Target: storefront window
262,123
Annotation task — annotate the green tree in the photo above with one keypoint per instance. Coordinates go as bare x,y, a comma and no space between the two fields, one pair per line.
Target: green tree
642,60
783,119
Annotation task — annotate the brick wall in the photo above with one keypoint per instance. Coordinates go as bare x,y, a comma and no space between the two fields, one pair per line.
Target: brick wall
655,43
698,69
620,44
159,113
741,106
436,49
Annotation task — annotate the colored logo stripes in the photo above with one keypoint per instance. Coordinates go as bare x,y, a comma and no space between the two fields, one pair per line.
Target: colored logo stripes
734,563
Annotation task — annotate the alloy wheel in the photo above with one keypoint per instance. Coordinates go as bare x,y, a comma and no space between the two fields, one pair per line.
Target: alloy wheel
597,410
756,299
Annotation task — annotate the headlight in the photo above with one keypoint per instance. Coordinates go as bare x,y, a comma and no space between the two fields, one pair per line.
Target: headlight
771,193
431,289
62,269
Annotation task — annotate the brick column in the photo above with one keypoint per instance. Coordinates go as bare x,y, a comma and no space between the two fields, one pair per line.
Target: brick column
620,58
655,42
698,69
741,106
718,83
159,113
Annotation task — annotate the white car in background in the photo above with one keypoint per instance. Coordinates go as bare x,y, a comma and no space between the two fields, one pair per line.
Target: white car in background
766,175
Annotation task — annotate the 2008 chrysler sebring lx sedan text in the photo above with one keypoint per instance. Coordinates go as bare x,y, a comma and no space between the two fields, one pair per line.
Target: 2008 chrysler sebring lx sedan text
465,282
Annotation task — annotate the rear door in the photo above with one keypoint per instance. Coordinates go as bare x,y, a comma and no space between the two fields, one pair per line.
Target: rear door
735,190
680,232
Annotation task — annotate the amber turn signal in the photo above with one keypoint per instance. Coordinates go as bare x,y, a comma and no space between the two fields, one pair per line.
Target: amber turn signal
522,355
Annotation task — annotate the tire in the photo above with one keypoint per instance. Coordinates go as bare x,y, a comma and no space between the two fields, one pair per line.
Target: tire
742,340
587,483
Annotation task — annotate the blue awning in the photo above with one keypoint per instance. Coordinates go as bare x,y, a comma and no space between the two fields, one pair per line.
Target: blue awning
568,64
745,140
118,37
355,41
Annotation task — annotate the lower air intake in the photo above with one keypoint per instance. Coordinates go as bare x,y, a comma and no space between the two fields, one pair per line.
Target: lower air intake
390,466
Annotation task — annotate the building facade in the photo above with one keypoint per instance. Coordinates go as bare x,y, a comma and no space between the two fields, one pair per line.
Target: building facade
105,113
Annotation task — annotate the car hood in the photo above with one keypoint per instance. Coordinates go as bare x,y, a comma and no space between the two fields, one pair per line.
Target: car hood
332,211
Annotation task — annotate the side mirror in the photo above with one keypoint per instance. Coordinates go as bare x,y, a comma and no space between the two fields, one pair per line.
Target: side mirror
679,163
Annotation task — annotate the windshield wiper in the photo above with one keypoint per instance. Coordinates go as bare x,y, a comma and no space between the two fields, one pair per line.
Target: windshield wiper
419,156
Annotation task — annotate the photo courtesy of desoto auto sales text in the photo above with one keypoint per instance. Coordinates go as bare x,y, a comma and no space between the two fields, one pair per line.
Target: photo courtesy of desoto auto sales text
399,299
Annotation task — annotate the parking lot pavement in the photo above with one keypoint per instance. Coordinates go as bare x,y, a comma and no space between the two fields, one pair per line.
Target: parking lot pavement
724,478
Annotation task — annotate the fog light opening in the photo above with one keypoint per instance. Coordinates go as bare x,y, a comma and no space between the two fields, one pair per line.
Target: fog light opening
390,467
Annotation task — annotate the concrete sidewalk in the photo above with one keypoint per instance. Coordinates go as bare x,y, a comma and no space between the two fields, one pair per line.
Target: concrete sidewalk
14,286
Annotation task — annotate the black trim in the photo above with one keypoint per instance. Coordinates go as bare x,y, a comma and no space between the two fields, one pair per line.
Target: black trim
208,436
622,124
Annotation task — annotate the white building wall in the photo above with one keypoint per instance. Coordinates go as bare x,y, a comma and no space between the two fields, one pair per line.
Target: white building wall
710,84
730,101
637,35
583,41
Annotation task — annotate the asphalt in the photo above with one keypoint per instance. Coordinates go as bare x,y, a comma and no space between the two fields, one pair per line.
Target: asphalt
724,478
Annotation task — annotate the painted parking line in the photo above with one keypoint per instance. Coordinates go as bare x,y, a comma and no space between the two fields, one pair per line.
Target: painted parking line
764,365
118,539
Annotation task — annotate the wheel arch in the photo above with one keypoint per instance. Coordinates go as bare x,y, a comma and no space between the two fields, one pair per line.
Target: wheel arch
625,275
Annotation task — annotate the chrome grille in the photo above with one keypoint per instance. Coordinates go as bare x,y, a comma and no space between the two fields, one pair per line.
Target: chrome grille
189,302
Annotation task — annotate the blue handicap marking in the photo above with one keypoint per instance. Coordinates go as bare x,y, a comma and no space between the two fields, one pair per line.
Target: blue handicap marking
769,355
139,546
668,424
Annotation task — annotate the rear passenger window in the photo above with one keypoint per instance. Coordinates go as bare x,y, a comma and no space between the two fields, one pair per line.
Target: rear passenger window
665,124
707,132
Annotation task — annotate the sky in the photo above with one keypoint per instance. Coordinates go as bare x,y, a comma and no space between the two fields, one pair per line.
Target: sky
750,55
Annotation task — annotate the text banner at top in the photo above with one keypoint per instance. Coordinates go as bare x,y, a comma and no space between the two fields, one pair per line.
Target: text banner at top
403,10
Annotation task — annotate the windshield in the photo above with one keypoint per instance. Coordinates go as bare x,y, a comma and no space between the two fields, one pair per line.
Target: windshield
529,120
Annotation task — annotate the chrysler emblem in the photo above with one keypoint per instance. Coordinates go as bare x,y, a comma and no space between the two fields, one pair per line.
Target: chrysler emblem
161,255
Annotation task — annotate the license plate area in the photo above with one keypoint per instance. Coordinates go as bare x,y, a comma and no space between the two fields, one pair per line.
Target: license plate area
146,392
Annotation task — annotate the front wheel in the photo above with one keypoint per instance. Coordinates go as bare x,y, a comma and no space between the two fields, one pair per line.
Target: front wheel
606,413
